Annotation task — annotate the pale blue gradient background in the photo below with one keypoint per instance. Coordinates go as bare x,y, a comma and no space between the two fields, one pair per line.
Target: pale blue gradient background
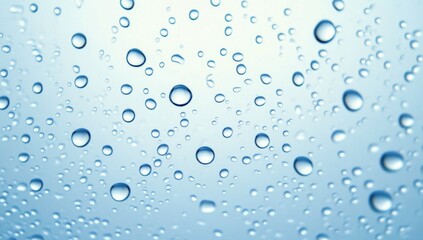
160,207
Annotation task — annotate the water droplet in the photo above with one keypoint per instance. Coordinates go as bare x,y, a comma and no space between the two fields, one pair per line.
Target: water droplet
150,104
265,79
262,140
205,155
180,95
227,132
353,100
178,174
128,115
325,31
380,201
194,14
176,58
406,120
207,206
36,184
120,192
81,81
79,40
339,5
4,102
126,89
298,79
145,169
37,88
392,161
303,166
127,4
107,150
224,173
23,157
81,137
338,136
135,57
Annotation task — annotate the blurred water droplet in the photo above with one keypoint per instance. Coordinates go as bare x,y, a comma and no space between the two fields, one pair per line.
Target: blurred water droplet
392,161
380,201
207,206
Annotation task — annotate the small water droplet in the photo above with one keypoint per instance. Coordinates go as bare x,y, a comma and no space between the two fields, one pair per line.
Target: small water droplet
127,4
79,40
145,169
262,140
325,31
180,95
207,206
81,81
135,57
353,100
303,166
205,155
4,102
298,79
128,115
36,184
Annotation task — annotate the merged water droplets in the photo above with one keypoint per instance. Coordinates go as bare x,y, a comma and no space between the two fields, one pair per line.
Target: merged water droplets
80,137
120,192
180,95
205,155
325,31
135,57
352,100
303,166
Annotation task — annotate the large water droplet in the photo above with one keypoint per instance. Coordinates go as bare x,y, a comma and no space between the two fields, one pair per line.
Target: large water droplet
298,79
36,184
380,201
180,95
4,102
207,206
81,81
262,140
266,79
406,120
128,115
135,57
205,155
353,100
303,166
325,31
392,161
79,40
120,192
145,169
81,137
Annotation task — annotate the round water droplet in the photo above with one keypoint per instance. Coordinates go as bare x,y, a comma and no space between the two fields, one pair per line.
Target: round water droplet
207,206
127,4
227,132
37,88
262,140
81,81
224,173
298,79
259,101
353,100
180,95
194,14
325,31
265,79
120,192
81,137
4,102
338,136
380,201
23,157
135,57
205,155
392,161
79,40
303,166
145,169
107,150
406,120
178,175
339,5
128,115
36,184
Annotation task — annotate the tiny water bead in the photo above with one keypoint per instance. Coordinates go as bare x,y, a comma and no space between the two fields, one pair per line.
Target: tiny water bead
120,192
392,161
262,140
4,102
207,206
298,79
135,57
380,201
352,100
325,31
145,169
406,120
180,95
303,166
36,184
205,155
81,81
79,40
81,137
128,115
